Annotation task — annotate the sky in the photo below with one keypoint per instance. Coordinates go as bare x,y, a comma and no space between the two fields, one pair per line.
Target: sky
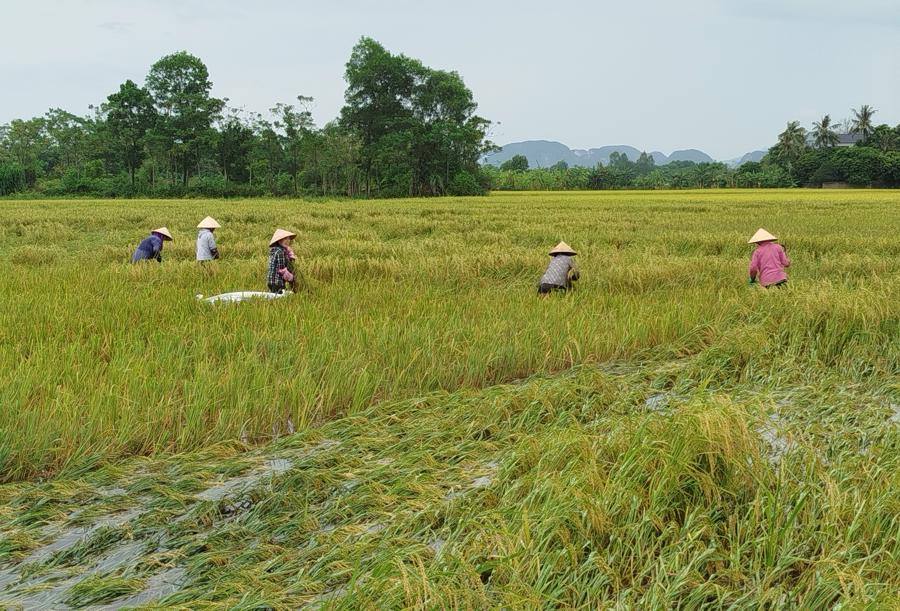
720,76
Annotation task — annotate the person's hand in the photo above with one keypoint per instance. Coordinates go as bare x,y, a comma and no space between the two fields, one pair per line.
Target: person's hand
751,281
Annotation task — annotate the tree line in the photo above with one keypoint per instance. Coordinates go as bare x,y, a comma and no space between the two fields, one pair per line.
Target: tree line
405,130
800,157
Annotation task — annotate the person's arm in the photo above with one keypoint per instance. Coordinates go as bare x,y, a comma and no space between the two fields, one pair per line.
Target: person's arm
157,249
754,267
782,254
213,248
574,273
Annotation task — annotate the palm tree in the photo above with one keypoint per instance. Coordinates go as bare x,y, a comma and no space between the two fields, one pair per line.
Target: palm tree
862,121
792,141
824,136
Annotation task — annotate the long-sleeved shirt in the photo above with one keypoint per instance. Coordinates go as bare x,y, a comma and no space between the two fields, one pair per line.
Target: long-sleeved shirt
206,246
149,248
278,259
558,270
768,262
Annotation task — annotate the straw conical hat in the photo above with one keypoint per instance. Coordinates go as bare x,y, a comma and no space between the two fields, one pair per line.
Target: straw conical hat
208,223
163,232
562,249
762,236
279,235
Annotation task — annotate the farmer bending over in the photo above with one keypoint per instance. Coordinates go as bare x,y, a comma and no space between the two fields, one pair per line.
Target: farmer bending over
281,261
151,246
768,262
206,242
561,272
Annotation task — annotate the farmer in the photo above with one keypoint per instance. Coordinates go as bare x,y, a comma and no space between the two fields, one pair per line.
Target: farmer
768,261
561,271
206,243
281,261
151,246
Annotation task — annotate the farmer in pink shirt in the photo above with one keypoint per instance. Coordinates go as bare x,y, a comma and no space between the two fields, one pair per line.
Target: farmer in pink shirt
768,262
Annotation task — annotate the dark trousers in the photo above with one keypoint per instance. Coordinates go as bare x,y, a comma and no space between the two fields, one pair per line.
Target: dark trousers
779,285
546,289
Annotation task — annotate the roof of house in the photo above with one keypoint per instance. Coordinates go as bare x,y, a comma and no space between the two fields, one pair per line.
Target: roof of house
849,138
845,139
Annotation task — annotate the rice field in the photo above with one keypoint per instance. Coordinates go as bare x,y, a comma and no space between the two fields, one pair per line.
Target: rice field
416,429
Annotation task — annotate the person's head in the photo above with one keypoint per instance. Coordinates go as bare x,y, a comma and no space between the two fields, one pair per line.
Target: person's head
209,223
562,249
762,237
282,238
163,233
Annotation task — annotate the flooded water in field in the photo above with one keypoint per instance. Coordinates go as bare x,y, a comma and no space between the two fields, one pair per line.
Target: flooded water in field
158,586
67,537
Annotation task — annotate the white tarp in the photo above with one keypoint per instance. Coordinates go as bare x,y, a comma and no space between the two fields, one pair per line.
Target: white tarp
242,295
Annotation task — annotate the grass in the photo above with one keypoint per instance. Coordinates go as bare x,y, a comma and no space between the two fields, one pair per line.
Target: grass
663,437
105,359
620,486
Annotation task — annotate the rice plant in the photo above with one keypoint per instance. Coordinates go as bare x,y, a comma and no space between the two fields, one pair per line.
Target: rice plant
662,437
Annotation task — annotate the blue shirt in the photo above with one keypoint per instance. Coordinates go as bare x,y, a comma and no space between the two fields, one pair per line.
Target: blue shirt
149,248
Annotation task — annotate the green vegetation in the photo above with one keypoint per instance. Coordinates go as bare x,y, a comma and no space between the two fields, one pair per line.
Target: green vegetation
797,159
672,484
107,359
406,130
662,437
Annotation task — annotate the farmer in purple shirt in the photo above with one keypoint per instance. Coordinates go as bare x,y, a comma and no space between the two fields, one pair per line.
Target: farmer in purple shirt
151,246
768,262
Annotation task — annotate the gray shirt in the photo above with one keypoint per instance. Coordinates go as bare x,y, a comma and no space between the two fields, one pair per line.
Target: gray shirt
206,244
558,271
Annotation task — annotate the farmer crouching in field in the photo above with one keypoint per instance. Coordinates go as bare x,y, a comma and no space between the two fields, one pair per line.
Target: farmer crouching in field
151,246
206,242
561,272
768,262
281,261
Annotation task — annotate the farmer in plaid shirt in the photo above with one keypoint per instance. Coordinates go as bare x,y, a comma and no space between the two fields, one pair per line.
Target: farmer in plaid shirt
281,261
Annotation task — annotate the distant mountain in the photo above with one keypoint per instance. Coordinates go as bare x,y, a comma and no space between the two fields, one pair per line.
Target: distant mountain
545,153
751,156
690,155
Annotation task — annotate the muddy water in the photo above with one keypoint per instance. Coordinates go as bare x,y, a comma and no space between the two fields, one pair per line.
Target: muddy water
50,589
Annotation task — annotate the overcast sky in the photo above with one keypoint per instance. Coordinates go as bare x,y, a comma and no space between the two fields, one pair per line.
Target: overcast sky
723,77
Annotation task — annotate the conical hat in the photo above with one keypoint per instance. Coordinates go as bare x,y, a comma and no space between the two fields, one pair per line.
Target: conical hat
279,235
762,236
163,232
208,223
562,249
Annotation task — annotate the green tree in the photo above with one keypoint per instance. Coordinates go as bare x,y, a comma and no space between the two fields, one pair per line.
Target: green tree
180,86
416,126
791,144
823,133
862,121
68,140
517,163
644,164
296,134
885,138
130,114
27,144
234,141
